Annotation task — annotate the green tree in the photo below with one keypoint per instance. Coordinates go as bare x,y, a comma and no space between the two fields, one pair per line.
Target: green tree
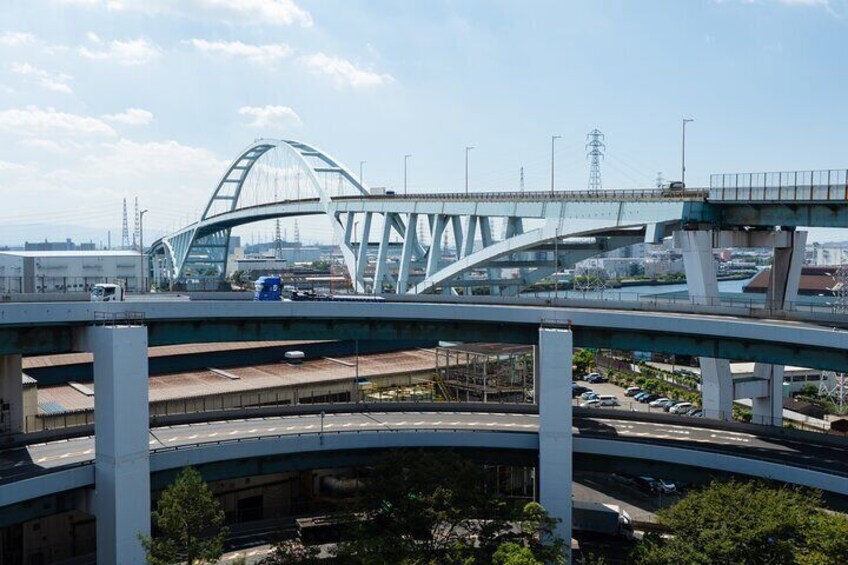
583,360
752,523
189,521
293,552
511,553
433,508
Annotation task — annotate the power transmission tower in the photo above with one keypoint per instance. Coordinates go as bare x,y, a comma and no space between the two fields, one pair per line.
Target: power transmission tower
521,179
595,152
838,391
660,179
125,229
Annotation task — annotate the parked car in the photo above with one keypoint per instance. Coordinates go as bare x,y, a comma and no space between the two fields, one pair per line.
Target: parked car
593,403
623,478
632,391
607,400
646,484
681,408
595,378
589,395
640,395
696,413
666,487
649,398
658,403
579,389
671,404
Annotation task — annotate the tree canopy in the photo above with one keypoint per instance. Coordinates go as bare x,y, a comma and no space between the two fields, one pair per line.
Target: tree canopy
747,522
425,508
189,521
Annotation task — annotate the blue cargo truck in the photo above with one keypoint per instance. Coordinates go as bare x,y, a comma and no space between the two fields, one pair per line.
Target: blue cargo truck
268,288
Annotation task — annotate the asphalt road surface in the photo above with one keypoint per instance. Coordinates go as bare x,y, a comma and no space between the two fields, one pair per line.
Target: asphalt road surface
19,462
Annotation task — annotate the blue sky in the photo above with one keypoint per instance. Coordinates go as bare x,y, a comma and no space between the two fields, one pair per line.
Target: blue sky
101,99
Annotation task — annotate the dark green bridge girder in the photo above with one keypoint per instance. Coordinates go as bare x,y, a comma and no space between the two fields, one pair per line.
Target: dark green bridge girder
35,340
768,214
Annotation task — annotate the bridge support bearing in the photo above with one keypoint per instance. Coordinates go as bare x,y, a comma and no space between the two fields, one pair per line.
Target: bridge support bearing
553,386
122,462
11,394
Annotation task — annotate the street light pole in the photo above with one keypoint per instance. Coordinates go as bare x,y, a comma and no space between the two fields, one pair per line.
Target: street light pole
141,214
405,164
361,163
553,141
467,149
683,152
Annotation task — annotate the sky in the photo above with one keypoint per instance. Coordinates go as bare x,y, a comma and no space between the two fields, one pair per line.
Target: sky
102,100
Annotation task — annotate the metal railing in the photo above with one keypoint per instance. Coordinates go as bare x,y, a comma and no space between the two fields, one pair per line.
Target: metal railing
636,194
796,186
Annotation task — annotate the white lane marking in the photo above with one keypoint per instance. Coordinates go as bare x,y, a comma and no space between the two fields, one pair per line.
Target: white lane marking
213,434
192,436
347,425
272,429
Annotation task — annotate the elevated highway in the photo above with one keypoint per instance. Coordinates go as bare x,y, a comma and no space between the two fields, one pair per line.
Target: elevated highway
42,328
807,459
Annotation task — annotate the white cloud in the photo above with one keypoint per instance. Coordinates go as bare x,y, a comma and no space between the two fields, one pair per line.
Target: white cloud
271,117
15,168
47,144
251,12
129,158
17,39
131,116
343,72
128,53
263,54
56,83
33,121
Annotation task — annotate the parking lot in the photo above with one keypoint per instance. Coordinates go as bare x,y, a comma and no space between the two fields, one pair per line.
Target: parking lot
625,403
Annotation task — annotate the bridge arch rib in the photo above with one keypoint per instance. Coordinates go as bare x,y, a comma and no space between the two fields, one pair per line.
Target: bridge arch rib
406,263
200,249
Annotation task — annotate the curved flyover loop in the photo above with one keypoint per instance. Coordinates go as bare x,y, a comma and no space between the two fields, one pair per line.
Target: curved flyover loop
797,460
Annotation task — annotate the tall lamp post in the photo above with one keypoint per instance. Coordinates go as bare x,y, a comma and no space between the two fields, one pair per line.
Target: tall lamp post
467,149
141,286
683,152
405,165
553,142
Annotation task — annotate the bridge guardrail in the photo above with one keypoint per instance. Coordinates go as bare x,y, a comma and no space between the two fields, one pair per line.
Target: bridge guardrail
796,186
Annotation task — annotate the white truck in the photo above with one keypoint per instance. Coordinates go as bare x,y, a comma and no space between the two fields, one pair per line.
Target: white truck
598,518
107,292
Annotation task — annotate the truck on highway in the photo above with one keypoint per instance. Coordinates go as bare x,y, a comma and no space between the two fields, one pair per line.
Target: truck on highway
107,292
599,518
268,288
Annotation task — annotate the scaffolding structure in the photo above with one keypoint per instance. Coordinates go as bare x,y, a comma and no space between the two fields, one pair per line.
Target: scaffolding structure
486,372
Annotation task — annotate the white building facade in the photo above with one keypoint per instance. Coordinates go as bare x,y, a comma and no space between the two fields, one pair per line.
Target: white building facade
67,271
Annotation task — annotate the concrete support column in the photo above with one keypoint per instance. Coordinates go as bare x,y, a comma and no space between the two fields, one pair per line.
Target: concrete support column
362,253
405,264
784,280
702,284
553,389
122,460
382,266
11,394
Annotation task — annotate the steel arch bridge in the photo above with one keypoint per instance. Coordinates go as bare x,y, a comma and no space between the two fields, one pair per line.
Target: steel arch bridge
400,247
